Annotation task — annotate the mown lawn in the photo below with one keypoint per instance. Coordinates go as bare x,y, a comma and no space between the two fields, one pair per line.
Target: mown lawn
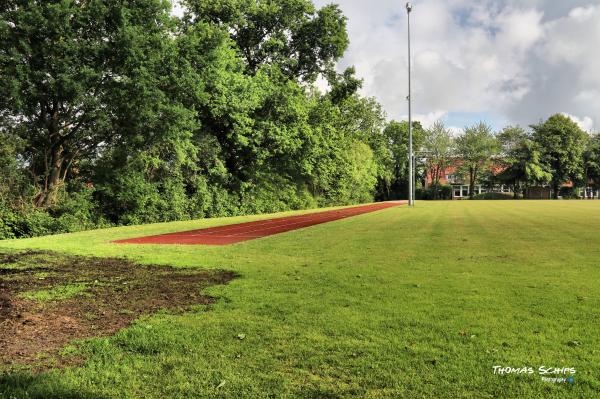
401,303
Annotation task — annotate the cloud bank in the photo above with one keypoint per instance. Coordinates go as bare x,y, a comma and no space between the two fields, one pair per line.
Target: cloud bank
504,61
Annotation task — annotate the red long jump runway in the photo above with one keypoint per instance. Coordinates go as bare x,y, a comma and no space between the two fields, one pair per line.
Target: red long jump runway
230,234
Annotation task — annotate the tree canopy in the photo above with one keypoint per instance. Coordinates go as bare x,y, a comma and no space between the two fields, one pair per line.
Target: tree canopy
476,147
521,159
439,151
591,159
63,66
121,113
562,143
301,40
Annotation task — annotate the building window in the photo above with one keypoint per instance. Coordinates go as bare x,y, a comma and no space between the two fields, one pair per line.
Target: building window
589,193
457,192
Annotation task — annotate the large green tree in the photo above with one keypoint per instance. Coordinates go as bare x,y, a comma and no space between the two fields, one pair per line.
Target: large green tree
592,162
292,34
346,153
396,134
561,142
439,150
119,110
362,120
257,120
520,158
66,67
476,147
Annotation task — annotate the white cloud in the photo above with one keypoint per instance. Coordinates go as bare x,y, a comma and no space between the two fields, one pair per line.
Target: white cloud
574,41
427,120
515,60
519,30
586,96
582,13
586,123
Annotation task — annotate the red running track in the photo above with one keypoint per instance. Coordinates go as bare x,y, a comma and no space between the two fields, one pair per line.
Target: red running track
230,234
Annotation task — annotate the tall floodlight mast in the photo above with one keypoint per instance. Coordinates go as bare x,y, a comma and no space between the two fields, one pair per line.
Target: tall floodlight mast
411,183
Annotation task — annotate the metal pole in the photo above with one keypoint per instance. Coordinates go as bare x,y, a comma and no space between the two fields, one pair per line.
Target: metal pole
414,178
411,200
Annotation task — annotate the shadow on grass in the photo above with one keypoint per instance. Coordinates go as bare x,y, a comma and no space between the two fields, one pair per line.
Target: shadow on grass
20,385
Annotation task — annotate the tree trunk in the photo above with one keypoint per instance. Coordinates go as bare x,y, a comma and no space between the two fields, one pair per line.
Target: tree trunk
555,187
436,182
54,178
471,183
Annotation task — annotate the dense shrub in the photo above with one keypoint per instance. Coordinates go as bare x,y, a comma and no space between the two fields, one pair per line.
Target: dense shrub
493,196
8,222
274,194
568,193
37,222
444,192
75,211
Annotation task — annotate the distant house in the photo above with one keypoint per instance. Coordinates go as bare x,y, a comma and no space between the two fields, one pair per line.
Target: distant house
460,185
589,193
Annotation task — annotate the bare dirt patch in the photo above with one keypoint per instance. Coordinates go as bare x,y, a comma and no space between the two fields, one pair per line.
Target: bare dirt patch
117,291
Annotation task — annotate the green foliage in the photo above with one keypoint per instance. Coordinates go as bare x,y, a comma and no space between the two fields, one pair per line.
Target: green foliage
475,147
14,183
64,64
273,194
561,144
521,159
135,197
568,193
396,136
36,222
592,161
291,34
439,150
493,196
165,119
343,86
77,210
442,192
8,222
358,183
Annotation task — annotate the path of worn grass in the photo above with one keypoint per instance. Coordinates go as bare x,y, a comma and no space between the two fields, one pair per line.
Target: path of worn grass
417,303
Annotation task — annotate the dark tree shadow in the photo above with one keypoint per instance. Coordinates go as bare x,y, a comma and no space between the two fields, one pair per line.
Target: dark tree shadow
17,385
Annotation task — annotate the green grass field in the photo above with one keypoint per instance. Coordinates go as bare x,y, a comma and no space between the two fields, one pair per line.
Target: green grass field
400,303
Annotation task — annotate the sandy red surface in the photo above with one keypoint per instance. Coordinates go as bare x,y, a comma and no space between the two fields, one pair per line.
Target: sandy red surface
233,233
